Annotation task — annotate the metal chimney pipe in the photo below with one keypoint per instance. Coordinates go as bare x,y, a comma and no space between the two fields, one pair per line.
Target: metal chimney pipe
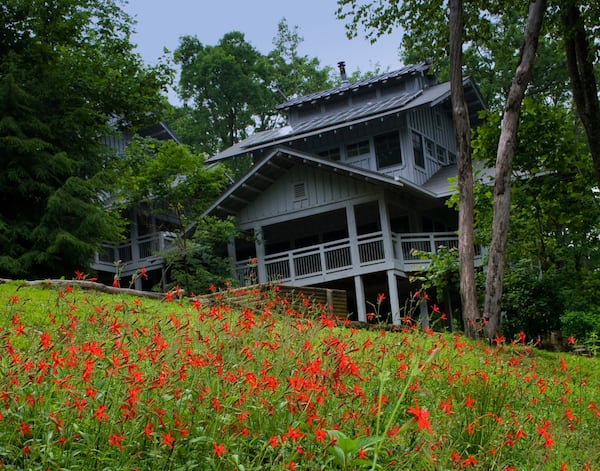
342,67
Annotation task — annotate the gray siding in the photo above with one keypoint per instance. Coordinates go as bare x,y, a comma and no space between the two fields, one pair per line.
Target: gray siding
320,189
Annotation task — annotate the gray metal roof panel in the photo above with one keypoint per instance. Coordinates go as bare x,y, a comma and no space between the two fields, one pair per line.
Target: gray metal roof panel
353,86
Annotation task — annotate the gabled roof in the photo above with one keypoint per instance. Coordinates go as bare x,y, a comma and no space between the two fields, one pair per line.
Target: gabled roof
430,96
354,86
263,174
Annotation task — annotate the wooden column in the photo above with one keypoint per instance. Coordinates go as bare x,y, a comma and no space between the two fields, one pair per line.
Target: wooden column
361,306
259,244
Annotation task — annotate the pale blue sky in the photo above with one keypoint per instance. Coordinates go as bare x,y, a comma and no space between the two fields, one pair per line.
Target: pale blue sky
161,23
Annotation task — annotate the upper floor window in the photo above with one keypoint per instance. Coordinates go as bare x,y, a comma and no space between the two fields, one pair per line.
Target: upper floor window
332,154
441,154
387,149
358,148
417,142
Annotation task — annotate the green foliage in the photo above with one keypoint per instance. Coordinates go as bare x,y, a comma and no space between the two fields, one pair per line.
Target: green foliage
231,90
199,261
252,380
68,75
531,302
492,39
165,178
582,325
441,272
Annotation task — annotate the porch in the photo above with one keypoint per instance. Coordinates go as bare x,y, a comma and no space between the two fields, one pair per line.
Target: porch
344,258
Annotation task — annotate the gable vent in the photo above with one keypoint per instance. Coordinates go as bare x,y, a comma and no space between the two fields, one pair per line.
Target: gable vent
299,191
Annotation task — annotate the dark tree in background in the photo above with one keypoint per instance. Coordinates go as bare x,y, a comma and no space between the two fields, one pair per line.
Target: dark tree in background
68,76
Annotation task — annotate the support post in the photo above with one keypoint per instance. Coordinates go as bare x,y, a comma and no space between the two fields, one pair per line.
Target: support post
259,244
361,306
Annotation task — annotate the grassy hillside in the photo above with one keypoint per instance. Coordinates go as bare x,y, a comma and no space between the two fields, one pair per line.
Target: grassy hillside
99,381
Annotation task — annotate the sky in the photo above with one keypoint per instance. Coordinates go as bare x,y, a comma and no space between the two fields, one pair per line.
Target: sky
161,23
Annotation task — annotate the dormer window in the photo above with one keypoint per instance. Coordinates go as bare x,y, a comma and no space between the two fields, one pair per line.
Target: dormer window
387,149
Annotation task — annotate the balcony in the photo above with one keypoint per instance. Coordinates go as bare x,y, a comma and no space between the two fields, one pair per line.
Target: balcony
339,259
133,254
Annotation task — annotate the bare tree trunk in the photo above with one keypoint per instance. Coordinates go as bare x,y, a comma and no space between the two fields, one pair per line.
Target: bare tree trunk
462,127
504,158
581,73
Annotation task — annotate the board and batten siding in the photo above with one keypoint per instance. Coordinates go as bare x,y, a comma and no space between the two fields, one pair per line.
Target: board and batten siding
302,189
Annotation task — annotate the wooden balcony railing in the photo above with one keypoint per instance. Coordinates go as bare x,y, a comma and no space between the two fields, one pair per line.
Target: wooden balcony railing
133,254
335,260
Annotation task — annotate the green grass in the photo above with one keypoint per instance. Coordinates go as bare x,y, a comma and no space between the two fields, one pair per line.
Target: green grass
97,381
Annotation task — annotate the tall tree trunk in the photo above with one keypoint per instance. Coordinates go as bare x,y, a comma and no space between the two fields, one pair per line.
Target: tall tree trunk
460,115
504,158
581,73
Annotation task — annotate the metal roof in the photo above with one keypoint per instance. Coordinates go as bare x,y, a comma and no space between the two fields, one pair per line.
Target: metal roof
354,86
430,96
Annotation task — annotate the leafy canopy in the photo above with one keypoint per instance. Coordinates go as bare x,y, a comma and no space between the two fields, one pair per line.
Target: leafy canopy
68,75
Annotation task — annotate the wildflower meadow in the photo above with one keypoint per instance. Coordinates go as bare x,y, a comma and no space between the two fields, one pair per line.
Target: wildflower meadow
252,380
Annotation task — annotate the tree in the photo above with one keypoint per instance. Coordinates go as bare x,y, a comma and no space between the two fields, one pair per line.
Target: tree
430,17
166,178
68,75
578,29
502,181
553,243
228,80
231,90
462,129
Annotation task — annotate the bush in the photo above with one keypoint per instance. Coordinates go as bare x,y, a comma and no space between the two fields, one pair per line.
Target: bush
582,325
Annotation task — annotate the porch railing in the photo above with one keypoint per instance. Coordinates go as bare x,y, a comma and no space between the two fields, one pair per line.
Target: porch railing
336,256
133,253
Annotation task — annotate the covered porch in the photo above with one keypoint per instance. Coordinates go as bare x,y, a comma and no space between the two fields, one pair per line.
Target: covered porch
348,242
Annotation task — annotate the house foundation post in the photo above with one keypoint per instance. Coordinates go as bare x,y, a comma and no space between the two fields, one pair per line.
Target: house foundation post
394,298
361,306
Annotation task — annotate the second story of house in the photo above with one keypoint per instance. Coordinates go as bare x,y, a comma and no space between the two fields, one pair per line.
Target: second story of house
398,124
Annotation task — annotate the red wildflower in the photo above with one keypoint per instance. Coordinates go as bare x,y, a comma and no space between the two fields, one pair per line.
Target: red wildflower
380,298
320,434
219,449
469,402
100,414
167,439
420,416
24,428
446,407
115,440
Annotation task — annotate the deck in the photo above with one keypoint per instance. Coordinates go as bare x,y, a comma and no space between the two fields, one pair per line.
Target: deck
132,254
340,259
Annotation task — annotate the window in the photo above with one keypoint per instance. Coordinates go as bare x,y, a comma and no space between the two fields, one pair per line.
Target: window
387,149
331,154
358,148
417,142
441,154
429,149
